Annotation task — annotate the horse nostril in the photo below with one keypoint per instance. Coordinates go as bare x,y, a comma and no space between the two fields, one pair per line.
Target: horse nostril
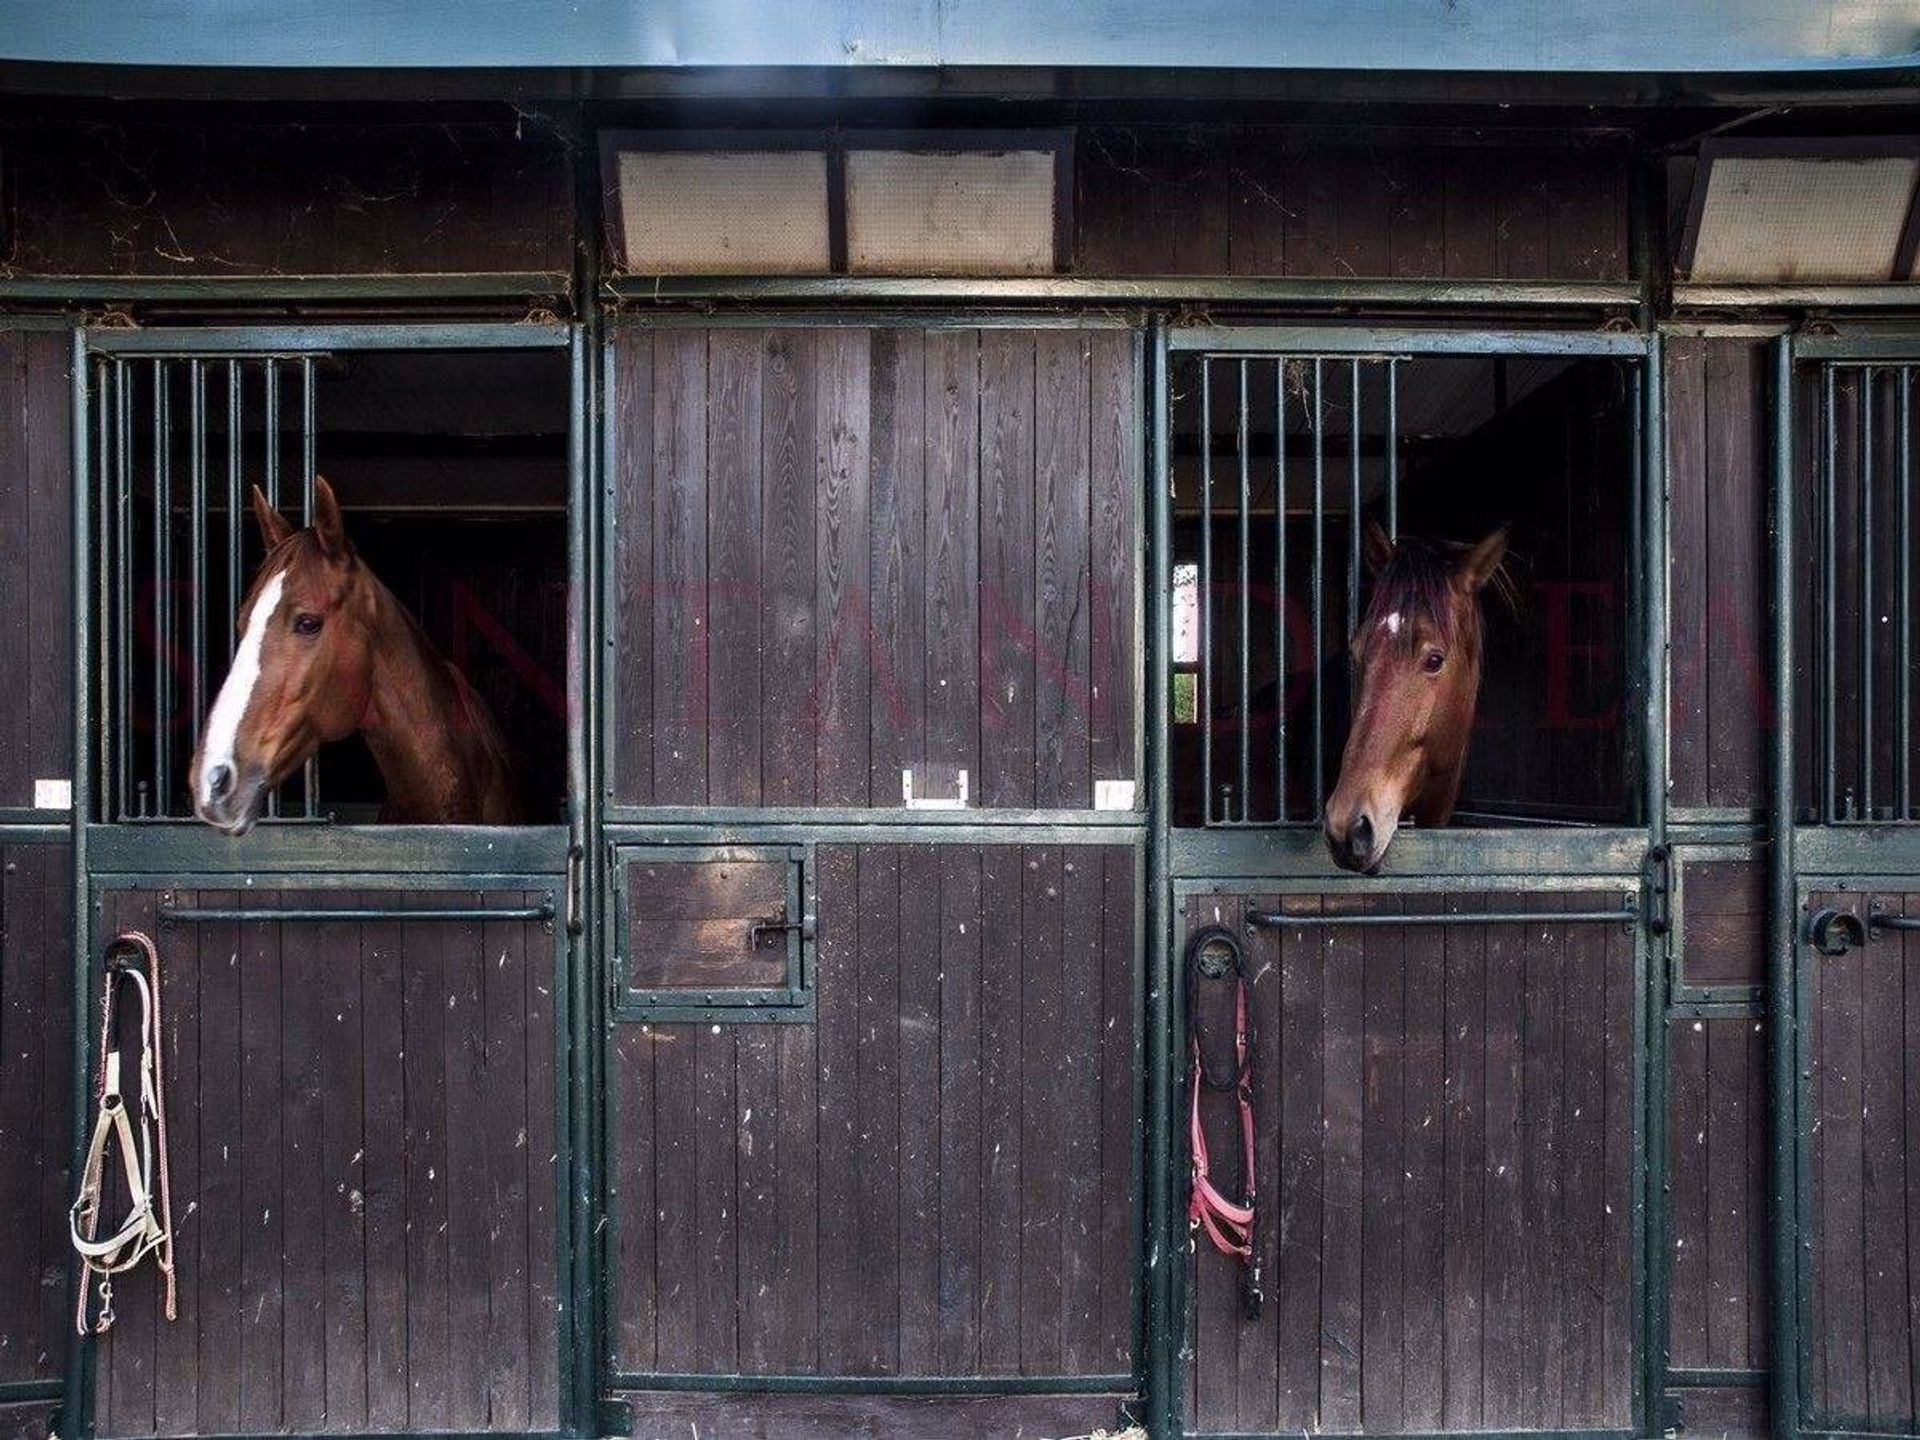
220,781
1360,836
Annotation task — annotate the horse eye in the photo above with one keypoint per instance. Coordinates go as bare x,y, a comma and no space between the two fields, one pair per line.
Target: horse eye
1433,661
306,624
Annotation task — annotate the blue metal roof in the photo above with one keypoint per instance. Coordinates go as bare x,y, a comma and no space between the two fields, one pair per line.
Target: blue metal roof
1630,36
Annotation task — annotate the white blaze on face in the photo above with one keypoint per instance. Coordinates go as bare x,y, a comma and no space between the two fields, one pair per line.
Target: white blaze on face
230,705
1391,624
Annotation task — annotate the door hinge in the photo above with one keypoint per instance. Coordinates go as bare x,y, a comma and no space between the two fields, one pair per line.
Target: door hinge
1656,887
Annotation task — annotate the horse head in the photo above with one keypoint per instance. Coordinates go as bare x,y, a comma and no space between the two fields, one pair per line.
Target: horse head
301,672
1417,651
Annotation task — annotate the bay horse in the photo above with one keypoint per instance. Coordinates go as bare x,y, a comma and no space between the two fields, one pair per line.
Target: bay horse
326,650
1417,651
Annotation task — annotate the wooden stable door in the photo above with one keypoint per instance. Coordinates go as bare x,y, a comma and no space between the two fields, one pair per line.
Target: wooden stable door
362,1127
1445,1171
1860,1171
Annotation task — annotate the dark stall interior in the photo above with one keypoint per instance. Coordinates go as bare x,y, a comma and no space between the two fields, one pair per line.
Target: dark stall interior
451,470
1450,447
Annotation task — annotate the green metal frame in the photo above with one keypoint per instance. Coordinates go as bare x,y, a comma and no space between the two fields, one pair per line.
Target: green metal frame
1287,859
395,859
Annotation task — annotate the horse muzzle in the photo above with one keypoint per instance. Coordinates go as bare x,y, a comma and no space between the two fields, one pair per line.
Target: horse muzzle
230,800
1358,844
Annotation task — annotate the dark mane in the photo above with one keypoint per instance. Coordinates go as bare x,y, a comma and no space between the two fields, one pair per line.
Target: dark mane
1416,582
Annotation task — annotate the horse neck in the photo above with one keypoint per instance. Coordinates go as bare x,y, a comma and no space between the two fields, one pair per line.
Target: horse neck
416,725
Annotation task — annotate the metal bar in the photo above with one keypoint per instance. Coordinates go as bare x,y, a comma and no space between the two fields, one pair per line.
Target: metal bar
1282,614
310,773
240,914
1829,578
236,582
1014,290
512,285
1353,505
76,1404
1867,439
197,550
1207,637
1280,920
123,587
292,340
1393,448
875,1385
1319,584
162,586
1381,343
102,401
1245,585
1784,1337
1904,755
1160,1340
270,430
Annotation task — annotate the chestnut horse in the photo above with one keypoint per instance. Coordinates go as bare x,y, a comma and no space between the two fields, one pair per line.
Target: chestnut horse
1417,652
326,650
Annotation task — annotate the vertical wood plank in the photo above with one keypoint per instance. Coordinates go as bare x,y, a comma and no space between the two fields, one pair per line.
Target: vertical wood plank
468,1122
1257,1404
1299,1203
838,1035
952,409
844,661
262,1297
1113,691
1081,1015
876,1207
1585,1296
1383,1180
504,955
795,1316
677,1201
920,1172
546,1309
1883,1162
430,1347
1006,568
789,625
342,1140
632,605
679,609
633,1130
1472,214
1507,1218
1062,566
896,562
1463,1216
48,597
16,621
217,1197
716,1281
1002,1243
1423,1161
1042,1120
303,1178
1688,665
757,1164
1689,1223
1736,678
735,683
1343,1259
961,1160
1839,1219
1121,1121
384,1058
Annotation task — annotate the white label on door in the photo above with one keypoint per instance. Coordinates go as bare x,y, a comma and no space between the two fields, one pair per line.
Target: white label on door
53,794
1113,794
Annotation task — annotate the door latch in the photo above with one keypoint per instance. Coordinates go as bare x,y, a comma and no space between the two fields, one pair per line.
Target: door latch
778,924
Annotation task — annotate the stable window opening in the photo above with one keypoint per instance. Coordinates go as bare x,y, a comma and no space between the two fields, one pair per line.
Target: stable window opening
440,687
1281,463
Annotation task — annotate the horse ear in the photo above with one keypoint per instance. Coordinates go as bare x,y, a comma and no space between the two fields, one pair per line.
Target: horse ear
1482,561
1377,547
273,525
326,518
